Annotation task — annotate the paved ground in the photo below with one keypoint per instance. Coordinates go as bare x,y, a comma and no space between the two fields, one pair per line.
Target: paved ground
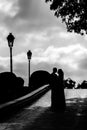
39,117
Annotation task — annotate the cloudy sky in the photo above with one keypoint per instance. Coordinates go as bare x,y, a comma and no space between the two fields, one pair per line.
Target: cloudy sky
36,28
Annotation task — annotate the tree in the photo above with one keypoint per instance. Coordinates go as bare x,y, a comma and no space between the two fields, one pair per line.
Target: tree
72,12
38,79
69,83
78,86
84,84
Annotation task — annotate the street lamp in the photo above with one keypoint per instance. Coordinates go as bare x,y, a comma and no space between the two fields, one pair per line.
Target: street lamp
29,55
10,39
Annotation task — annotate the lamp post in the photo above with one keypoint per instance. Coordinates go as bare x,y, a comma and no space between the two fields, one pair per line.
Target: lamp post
29,55
10,39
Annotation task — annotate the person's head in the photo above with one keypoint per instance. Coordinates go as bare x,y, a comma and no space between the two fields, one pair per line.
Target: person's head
60,72
54,70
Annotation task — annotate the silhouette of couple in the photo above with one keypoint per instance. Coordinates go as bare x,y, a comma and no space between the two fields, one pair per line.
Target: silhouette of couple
57,90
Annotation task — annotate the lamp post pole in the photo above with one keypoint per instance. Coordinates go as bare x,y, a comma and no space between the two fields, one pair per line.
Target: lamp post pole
10,39
29,55
29,73
11,64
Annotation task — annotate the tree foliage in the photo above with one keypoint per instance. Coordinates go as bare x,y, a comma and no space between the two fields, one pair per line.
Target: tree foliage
69,83
72,12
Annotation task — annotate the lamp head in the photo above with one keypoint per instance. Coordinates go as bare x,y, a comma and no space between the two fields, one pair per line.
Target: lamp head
10,39
29,54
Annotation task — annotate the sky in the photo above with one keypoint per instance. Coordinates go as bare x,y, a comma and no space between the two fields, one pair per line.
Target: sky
37,29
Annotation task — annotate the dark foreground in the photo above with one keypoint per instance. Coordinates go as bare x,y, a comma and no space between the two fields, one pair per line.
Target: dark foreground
42,118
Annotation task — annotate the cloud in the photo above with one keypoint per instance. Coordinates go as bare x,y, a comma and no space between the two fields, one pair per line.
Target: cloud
72,59
28,16
21,69
20,58
43,39
17,59
2,69
4,61
83,63
36,39
69,55
36,28
9,7
33,10
66,35
3,35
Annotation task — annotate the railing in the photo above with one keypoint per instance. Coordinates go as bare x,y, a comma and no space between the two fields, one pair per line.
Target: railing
24,100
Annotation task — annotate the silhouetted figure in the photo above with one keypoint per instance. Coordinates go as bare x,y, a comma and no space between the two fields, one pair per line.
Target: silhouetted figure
54,85
57,91
60,92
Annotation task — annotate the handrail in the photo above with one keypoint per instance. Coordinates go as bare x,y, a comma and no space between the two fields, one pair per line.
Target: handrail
24,98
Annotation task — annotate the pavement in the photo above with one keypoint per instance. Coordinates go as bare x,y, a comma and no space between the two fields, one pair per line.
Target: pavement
74,118
42,118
